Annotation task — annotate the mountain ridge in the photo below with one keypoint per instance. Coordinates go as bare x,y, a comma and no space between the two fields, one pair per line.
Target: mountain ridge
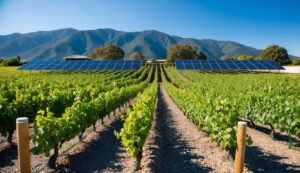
58,43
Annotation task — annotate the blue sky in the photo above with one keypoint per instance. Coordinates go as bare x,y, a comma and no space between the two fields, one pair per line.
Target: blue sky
257,23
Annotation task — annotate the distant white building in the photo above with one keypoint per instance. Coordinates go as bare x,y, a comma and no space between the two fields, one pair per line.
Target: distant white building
76,57
156,61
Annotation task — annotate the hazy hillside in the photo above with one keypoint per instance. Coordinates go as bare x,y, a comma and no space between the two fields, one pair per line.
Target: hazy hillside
63,42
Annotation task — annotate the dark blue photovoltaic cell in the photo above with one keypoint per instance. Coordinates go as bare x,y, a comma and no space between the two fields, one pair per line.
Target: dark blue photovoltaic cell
241,65
232,66
179,66
198,66
215,66
223,66
119,65
227,65
82,65
269,66
110,66
250,66
274,65
101,66
189,66
259,66
127,67
206,66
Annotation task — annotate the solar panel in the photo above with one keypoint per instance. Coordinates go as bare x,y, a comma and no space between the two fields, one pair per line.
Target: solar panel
82,65
110,65
227,65
206,66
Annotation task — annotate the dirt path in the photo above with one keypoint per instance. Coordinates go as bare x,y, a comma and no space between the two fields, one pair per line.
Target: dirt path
267,155
178,146
100,151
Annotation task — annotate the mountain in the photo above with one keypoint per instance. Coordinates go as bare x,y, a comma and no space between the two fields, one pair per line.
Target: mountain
153,44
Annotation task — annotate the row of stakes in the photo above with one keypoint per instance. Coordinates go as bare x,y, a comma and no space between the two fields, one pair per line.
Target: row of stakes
24,152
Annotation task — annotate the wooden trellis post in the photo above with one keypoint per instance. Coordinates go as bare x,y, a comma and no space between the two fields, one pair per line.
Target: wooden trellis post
23,145
240,148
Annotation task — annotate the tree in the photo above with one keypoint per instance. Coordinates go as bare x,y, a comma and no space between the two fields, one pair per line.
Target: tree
11,62
242,57
136,56
181,52
18,58
225,57
296,61
276,53
202,56
107,52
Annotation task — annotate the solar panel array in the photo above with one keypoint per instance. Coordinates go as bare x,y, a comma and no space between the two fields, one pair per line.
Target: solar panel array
227,65
82,65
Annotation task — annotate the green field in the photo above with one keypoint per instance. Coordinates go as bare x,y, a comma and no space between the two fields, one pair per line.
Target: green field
62,105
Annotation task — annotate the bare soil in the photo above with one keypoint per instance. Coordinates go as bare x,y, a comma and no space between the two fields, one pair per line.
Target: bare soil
267,155
100,151
176,145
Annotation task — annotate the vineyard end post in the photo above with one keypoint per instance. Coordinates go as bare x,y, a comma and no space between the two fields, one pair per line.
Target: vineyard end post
240,148
23,145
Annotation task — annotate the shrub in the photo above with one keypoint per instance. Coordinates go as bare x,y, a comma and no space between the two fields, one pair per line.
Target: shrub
11,62
296,61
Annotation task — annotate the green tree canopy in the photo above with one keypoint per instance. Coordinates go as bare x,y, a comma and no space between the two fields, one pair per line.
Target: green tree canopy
12,61
225,57
296,61
276,53
202,56
107,52
136,56
242,57
181,51
18,58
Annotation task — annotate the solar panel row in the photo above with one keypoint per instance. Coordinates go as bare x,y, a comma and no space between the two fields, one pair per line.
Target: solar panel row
82,65
227,65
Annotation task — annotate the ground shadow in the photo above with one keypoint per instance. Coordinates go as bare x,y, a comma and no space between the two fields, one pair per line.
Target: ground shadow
278,136
99,154
175,155
258,161
8,154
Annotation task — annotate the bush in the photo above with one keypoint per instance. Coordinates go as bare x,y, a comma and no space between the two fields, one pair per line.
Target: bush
136,56
181,51
11,62
242,57
275,53
107,52
296,61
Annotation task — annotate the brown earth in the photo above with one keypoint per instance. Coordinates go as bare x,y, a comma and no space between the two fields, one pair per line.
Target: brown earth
176,145
100,151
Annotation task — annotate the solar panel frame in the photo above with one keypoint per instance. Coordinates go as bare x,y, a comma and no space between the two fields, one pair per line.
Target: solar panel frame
259,65
99,65
215,66
127,65
241,65
274,65
119,65
206,66
93,66
227,65
189,65
82,65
